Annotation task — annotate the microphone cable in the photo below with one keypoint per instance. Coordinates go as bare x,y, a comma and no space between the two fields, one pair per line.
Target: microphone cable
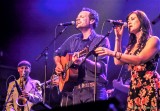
8,79
102,27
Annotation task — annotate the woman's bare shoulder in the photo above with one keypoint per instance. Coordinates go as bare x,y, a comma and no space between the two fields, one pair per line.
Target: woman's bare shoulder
153,40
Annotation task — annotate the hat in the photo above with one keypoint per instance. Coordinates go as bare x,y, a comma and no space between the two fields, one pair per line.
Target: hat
24,63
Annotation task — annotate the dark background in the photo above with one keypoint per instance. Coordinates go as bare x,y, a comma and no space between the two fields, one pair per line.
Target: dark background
28,27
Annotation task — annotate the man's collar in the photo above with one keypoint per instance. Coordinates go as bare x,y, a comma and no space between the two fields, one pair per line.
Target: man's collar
91,36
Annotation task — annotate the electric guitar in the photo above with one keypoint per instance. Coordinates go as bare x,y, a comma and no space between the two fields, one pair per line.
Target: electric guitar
116,91
70,72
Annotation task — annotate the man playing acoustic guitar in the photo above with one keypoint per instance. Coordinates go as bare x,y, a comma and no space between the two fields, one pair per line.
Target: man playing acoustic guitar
77,78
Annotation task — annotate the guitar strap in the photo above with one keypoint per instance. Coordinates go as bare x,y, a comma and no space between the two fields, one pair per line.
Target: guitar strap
88,44
92,40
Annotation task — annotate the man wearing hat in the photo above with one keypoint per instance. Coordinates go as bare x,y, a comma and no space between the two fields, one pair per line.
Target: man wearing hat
30,93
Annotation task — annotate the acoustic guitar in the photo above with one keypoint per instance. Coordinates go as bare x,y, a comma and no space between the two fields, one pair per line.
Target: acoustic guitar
70,71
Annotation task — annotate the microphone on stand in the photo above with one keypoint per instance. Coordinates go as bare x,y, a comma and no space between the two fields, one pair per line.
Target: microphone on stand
116,22
67,23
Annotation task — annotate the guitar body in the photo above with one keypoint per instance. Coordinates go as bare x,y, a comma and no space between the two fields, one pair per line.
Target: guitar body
120,96
70,70
70,73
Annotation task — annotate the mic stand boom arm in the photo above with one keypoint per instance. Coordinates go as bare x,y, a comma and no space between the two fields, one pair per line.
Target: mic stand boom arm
45,53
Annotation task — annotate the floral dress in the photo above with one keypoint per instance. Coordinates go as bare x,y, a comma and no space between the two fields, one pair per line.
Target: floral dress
143,94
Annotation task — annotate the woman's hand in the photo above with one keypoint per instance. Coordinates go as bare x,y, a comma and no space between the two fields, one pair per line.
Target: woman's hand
118,30
102,51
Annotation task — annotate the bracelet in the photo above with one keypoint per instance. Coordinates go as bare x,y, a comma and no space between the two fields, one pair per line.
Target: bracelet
115,54
119,55
117,39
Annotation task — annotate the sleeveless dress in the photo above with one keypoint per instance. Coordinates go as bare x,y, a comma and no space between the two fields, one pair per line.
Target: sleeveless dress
143,93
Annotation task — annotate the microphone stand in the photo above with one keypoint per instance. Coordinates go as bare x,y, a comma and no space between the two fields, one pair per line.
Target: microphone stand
12,90
45,54
95,57
95,78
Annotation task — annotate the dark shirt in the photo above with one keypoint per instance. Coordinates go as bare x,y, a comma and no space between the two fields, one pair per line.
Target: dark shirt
76,43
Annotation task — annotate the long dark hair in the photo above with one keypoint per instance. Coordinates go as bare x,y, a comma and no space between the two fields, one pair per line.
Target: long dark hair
145,27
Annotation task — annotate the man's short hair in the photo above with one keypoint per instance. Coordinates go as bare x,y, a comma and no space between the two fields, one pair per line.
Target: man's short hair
93,15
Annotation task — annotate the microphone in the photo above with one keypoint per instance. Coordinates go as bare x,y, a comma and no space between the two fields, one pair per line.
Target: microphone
116,22
156,20
67,23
